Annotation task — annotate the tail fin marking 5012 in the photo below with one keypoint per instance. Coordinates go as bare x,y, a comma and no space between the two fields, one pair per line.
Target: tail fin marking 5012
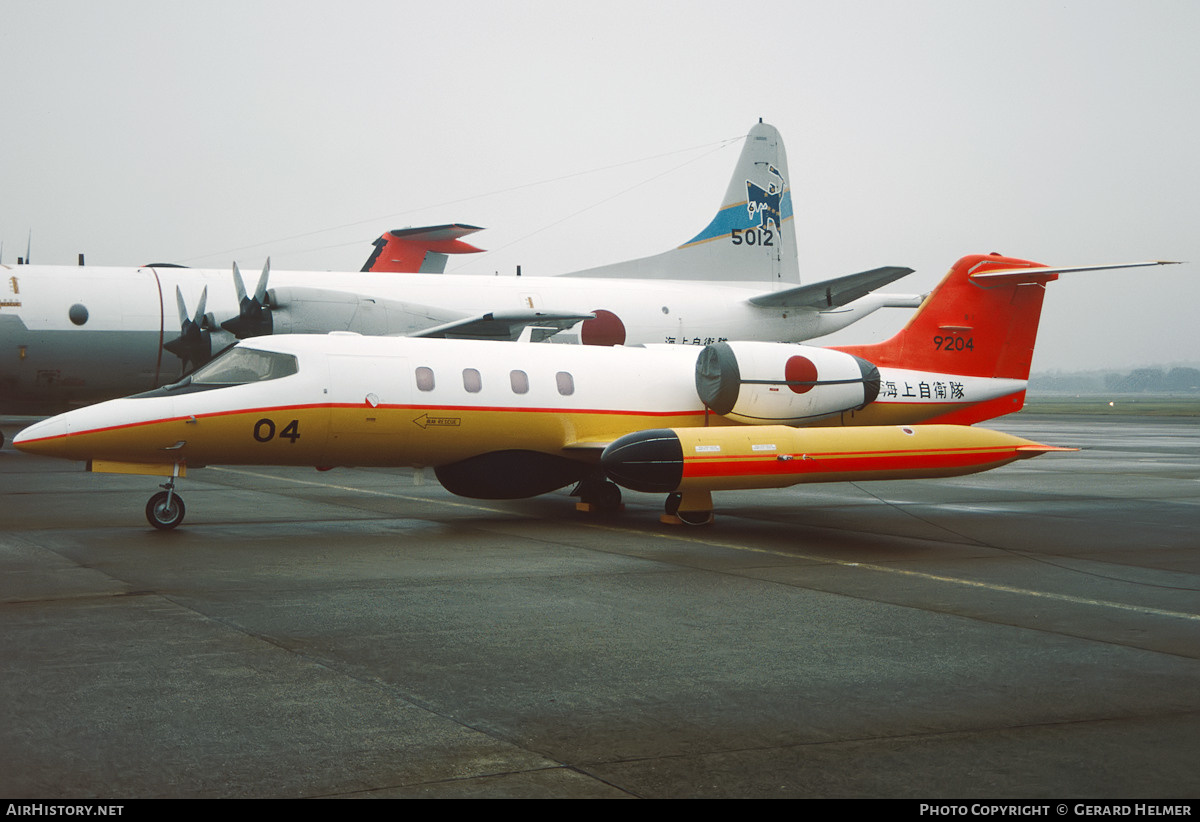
752,238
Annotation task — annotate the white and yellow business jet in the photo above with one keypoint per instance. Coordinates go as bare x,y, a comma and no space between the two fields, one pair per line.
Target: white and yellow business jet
504,421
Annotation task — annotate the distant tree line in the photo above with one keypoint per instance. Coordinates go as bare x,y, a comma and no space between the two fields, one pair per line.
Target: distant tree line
1180,380
1155,380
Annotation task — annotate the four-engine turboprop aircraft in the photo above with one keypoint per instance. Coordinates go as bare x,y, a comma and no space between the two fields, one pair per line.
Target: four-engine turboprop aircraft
498,420
72,335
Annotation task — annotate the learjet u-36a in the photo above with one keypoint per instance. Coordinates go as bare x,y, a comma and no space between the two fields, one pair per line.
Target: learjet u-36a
72,335
498,420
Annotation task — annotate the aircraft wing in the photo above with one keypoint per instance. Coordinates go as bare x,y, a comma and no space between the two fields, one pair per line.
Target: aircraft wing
832,293
586,446
302,310
505,325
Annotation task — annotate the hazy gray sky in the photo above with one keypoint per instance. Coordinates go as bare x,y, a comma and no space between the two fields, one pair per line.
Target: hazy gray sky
1063,132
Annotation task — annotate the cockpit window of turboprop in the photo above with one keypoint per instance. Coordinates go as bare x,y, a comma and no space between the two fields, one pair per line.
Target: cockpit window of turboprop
242,365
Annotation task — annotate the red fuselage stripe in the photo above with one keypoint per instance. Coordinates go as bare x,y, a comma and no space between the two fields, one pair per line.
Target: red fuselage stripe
843,461
422,408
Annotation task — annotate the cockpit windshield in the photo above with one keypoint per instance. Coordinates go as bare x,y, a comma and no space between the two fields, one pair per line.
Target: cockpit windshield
241,365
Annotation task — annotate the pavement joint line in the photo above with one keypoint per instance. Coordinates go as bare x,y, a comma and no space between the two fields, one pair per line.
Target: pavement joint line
885,569
368,491
988,586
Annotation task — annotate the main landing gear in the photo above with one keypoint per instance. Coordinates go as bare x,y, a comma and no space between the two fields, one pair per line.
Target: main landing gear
165,509
689,508
598,496
601,496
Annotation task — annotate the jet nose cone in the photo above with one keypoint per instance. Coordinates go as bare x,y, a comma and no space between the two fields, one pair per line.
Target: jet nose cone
42,437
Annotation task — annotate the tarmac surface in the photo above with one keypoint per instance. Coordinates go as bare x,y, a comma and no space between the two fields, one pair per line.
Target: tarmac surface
1031,632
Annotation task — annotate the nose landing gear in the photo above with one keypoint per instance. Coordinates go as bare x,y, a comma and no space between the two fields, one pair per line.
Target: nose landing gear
165,509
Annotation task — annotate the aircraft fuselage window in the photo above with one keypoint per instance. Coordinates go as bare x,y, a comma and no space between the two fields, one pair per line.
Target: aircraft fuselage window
566,383
424,379
472,381
520,382
242,365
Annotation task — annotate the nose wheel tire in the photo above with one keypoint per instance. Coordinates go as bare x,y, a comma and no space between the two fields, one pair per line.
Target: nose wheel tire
165,510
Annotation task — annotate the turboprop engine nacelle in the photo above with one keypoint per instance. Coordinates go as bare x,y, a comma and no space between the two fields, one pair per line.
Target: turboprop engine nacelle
763,383
303,310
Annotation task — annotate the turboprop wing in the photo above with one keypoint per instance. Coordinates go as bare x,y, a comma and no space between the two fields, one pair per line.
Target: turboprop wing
505,325
835,293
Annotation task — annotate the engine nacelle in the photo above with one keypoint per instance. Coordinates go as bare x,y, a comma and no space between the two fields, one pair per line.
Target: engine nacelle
763,383
302,310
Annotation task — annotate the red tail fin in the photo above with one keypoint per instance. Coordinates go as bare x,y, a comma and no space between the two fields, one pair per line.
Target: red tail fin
420,249
980,321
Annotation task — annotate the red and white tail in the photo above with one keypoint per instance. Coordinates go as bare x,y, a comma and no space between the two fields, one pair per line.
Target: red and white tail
974,323
420,250
980,321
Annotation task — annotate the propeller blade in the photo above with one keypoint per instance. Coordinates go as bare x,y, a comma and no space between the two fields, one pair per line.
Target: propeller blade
183,312
238,284
260,292
199,318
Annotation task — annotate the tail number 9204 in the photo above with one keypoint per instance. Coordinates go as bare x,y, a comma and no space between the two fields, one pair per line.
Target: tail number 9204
954,343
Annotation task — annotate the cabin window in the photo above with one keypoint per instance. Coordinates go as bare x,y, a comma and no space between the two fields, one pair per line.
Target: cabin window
520,382
566,383
424,379
472,381
242,365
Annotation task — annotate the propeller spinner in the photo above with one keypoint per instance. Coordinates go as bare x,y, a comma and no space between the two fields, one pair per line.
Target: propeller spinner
254,312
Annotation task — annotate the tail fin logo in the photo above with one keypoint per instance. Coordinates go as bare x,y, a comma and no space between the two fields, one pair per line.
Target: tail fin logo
766,204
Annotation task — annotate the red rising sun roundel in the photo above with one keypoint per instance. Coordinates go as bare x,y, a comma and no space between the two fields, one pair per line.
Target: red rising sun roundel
605,329
800,370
